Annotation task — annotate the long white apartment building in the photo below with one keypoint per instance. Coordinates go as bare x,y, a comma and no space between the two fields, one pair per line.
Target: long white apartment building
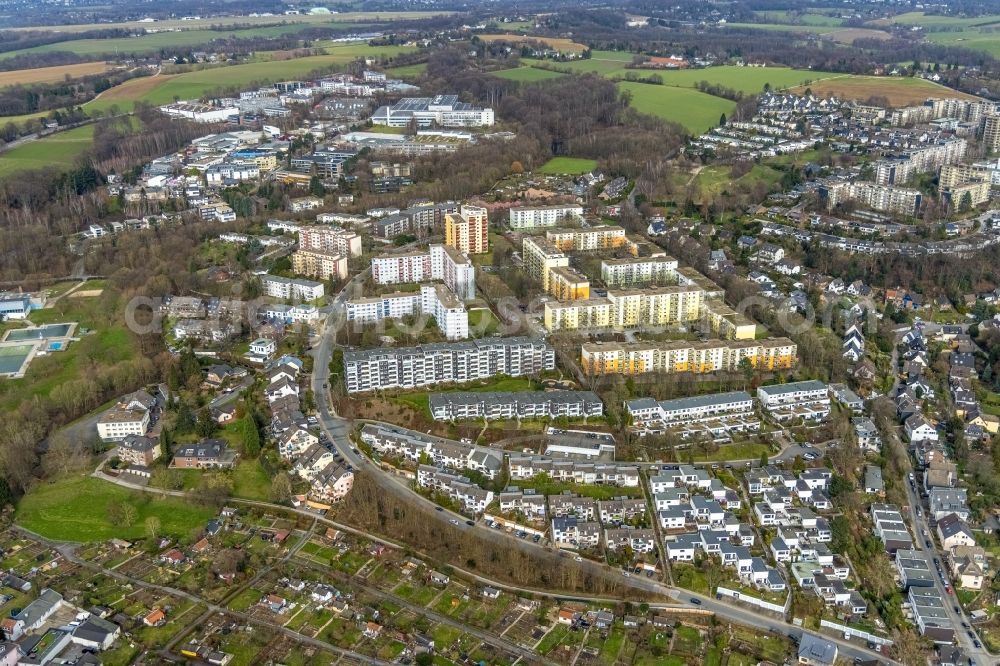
627,309
438,262
897,170
443,363
433,300
877,196
530,217
276,286
638,272
808,400
399,442
719,413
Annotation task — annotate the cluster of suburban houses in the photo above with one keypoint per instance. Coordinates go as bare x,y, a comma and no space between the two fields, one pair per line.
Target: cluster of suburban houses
329,477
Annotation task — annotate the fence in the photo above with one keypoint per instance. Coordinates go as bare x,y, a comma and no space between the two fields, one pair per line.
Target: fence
749,599
857,633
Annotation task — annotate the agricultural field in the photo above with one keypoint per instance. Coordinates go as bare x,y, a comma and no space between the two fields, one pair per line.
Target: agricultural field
695,111
744,79
75,508
899,91
407,71
51,74
814,19
526,74
554,43
314,20
571,166
59,150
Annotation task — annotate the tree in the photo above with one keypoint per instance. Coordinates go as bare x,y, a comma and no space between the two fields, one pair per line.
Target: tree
153,527
207,425
516,167
424,659
251,436
965,204
281,487
722,119
316,187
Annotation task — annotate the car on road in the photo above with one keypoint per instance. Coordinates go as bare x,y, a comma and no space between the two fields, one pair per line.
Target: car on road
454,521
971,635
809,456
947,588
958,610
927,542
779,461
578,559
626,574
439,508
975,641
696,602
469,522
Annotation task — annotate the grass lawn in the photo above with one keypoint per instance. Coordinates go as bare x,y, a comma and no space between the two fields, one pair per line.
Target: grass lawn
552,639
694,110
527,74
75,508
737,451
250,481
571,166
418,401
690,577
482,322
59,150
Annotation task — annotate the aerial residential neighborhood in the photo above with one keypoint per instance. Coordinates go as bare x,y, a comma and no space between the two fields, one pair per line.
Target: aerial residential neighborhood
454,333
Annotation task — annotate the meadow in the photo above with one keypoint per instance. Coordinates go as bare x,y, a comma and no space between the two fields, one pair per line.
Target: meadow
977,33
59,150
75,508
571,166
694,110
51,74
900,91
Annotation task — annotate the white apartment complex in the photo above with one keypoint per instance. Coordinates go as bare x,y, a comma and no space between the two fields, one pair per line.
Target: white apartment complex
638,272
454,362
530,217
439,262
334,241
808,400
276,286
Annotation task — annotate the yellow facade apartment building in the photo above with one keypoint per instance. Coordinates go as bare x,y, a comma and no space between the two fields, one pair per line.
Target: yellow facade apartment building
606,358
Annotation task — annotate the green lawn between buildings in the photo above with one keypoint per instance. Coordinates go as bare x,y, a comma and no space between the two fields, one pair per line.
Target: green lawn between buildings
571,166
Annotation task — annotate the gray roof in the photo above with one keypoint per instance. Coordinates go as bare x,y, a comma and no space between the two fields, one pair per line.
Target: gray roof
781,389
817,650
692,402
40,607
436,347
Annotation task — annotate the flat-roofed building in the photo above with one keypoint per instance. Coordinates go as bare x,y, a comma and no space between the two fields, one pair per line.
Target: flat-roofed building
468,230
638,272
454,362
540,256
808,400
517,404
602,358
320,264
568,284
602,237
529,217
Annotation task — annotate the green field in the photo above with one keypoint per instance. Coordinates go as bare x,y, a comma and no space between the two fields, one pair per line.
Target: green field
695,111
193,85
526,74
568,166
59,150
407,71
75,508
975,33
803,18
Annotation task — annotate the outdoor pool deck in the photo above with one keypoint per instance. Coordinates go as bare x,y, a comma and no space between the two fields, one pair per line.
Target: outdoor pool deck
20,345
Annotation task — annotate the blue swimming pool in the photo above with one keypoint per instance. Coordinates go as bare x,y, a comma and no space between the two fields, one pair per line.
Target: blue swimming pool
40,333
55,346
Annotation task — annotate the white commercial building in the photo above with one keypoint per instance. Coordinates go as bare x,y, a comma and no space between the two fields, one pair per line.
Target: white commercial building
443,110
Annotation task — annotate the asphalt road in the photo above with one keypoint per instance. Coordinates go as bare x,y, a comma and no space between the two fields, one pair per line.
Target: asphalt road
921,526
338,430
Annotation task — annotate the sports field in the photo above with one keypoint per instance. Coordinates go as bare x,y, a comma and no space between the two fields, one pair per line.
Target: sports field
51,74
59,150
569,166
526,74
696,111
900,91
